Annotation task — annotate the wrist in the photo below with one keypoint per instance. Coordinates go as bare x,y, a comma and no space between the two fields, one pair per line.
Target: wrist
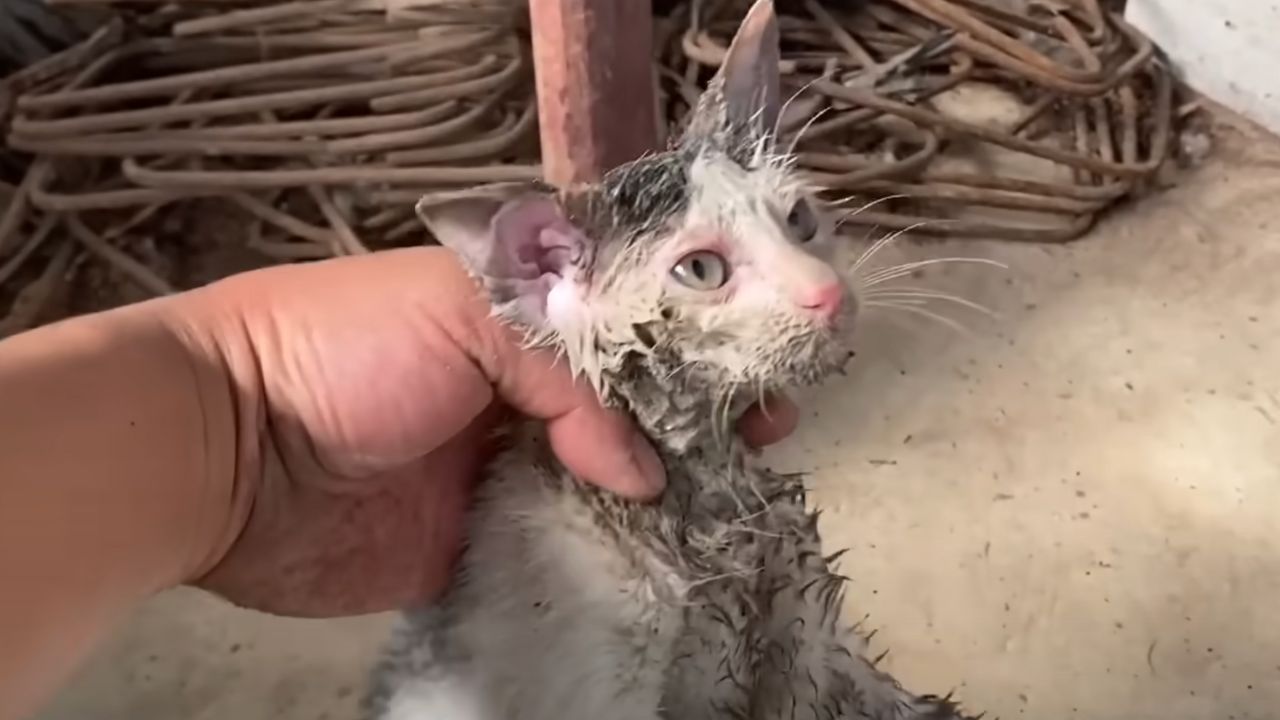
225,380
117,459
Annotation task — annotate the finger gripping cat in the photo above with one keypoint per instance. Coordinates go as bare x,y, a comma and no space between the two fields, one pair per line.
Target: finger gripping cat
682,286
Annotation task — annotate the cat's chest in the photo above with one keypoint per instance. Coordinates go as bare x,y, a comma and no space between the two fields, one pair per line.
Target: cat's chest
719,543
687,595
721,519
740,606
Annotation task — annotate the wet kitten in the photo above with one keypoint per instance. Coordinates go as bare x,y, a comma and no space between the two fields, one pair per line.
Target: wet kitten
682,286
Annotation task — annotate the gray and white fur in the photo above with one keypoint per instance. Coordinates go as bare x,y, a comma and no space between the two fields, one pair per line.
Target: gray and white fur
683,286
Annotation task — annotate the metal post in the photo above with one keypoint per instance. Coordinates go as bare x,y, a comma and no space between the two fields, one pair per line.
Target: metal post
593,60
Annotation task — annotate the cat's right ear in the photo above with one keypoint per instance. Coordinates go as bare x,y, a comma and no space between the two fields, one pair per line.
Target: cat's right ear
515,238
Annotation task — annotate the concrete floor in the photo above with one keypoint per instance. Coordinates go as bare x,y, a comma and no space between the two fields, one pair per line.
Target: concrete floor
1072,512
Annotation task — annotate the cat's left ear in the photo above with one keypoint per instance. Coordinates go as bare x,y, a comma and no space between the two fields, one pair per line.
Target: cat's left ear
744,96
514,237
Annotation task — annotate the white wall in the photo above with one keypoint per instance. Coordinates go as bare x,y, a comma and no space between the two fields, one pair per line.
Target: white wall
1229,50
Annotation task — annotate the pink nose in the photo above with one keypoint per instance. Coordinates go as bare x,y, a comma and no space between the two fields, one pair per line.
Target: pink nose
824,301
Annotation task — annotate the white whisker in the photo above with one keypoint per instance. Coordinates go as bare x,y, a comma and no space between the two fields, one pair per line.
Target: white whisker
847,198
722,426
911,308
866,254
866,206
879,244
795,141
756,531
724,576
755,490
897,271
782,112
764,409
912,293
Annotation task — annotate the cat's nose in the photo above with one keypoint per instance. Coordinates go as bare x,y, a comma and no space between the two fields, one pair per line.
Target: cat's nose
825,300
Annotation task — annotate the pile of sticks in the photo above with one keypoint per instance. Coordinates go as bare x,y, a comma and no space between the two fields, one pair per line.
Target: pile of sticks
1097,105
322,121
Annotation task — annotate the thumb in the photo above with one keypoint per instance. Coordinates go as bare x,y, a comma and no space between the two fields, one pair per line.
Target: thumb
603,447
599,445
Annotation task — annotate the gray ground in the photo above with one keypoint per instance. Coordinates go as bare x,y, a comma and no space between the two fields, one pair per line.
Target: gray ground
1070,513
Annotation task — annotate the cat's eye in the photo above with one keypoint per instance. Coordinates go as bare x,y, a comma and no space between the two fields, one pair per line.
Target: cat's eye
802,222
702,270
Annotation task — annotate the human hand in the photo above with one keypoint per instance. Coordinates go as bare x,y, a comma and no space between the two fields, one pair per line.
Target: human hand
368,389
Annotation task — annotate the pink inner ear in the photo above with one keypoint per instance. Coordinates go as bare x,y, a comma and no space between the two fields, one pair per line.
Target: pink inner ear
556,250
532,239
533,247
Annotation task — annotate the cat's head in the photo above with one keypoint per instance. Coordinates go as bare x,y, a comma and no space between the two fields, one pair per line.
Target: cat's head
710,259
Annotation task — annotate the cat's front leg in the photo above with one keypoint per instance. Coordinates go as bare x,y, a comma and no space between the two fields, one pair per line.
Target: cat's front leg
821,670
817,667
860,690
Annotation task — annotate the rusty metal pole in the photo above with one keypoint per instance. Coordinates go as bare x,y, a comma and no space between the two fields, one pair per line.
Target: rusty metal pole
593,61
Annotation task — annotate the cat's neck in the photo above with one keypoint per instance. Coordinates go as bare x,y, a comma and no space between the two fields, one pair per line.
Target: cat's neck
681,412
713,483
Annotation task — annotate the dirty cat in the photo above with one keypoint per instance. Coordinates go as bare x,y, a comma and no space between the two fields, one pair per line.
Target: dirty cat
683,286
